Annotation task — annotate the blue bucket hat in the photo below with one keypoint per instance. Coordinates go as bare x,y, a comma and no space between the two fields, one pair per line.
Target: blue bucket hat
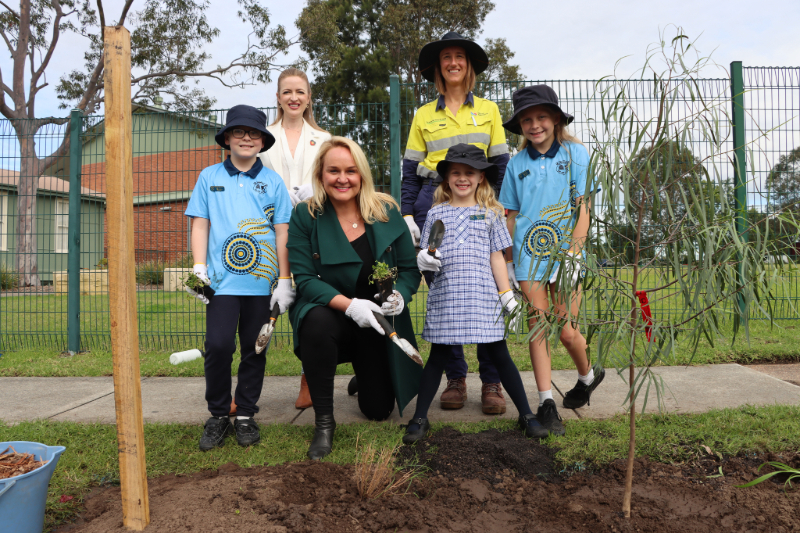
530,96
250,117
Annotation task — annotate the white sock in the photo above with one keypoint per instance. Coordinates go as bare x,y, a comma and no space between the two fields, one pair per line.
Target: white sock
242,417
588,378
545,395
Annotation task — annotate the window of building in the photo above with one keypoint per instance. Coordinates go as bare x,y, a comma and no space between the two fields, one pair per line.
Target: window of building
60,231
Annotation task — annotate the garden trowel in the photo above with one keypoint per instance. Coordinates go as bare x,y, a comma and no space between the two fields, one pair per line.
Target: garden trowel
436,237
266,330
401,343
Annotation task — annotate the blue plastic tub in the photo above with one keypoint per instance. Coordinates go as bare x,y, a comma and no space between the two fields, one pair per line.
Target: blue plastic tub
22,498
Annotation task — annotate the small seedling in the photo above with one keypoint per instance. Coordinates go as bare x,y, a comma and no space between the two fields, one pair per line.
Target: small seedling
383,277
780,468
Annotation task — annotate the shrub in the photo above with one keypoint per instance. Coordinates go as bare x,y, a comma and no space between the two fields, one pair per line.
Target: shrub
8,278
150,272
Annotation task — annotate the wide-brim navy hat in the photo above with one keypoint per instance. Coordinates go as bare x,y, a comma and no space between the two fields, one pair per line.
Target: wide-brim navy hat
471,156
429,55
250,117
528,97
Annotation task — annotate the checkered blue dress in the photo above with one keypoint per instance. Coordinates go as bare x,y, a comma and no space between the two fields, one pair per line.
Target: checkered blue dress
463,305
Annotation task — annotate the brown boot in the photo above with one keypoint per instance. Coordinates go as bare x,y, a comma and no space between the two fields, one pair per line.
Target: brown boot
304,398
492,400
455,394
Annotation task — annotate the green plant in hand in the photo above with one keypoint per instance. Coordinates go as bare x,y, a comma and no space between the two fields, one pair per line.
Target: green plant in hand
381,272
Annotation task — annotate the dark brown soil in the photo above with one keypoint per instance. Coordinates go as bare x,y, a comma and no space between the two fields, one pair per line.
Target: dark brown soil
490,482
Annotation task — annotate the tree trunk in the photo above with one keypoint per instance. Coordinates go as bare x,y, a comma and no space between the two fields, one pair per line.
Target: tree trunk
27,188
626,499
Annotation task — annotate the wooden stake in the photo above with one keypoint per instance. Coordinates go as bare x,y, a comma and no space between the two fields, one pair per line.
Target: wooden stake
122,278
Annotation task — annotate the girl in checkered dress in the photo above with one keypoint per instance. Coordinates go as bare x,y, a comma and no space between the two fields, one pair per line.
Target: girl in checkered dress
470,289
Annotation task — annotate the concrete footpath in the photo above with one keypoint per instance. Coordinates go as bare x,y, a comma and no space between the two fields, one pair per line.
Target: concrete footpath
688,390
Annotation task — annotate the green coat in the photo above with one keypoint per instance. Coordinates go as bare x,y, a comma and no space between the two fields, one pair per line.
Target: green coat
324,265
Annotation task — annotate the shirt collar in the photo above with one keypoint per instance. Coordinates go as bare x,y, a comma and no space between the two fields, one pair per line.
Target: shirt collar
551,153
470,101
252,173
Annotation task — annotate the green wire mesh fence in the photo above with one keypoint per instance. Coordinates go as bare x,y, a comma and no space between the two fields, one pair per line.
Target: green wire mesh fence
171,148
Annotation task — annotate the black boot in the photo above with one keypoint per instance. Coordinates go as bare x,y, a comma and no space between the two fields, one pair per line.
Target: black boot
322,442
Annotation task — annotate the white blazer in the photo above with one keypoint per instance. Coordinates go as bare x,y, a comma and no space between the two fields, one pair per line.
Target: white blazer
273,158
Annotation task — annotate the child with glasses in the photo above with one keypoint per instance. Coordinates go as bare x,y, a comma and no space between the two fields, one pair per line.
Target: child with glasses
240,214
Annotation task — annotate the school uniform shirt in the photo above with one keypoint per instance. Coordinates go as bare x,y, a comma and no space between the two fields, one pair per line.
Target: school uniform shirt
463,304
243,208
544,188
433,131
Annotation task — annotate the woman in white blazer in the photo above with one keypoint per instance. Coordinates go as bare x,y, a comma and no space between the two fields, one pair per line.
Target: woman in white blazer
297,135
297,141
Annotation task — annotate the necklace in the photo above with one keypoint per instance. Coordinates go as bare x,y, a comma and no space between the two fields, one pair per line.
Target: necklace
355,224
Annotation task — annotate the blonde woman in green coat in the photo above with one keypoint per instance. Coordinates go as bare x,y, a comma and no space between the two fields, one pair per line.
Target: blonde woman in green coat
335,238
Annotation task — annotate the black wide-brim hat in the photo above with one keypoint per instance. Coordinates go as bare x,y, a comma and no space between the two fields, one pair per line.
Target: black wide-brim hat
528,97
471,156
429,55
250,117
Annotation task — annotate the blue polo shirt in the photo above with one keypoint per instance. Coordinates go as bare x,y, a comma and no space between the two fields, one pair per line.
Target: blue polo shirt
243,208
544,189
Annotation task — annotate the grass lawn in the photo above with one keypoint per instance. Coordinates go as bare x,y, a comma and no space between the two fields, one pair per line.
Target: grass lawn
779,343
33,332
91,456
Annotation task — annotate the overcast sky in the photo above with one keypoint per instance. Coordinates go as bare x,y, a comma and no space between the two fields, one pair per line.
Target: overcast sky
552,40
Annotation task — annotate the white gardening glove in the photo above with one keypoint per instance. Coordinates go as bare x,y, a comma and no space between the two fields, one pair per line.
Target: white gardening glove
283,295
512,277
201,271
426,262
508,301
413,228
361,313
304,192
295,199
572,264
393,305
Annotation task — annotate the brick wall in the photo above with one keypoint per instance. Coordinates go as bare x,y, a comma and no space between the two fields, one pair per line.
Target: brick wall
159,234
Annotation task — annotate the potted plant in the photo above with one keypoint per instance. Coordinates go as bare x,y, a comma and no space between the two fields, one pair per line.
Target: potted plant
383,277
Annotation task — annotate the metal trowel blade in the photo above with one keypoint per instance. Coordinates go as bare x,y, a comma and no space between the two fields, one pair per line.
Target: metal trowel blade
264,335
408,349
436,237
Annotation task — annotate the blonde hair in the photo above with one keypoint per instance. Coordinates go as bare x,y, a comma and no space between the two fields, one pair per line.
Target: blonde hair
468,82
308,112
484,194
373,205
562,134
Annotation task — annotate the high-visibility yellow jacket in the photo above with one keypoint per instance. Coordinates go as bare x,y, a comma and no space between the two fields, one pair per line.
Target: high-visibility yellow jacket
434,130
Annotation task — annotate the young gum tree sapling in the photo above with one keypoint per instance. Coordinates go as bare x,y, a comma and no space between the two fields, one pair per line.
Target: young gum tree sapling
698,273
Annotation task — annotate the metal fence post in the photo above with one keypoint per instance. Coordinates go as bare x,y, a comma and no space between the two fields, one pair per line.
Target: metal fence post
74,234
739,161
394,135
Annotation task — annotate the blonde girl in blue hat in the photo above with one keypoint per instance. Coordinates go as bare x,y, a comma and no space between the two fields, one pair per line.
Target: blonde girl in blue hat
470,291
547,215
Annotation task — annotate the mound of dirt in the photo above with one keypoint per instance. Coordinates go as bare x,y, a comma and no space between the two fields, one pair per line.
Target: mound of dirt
490,482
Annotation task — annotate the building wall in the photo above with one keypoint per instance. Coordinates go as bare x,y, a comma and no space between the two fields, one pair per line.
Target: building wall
92,224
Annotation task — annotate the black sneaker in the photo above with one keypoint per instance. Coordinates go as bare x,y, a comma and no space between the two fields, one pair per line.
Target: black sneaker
532,427
548,416
214,433
247,432
580,395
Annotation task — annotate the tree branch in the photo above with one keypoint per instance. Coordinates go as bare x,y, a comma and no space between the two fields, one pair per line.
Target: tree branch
9,9
102,20
36,74
124,12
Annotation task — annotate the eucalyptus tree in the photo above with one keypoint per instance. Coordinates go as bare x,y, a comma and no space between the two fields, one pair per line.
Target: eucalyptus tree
169,47
706,278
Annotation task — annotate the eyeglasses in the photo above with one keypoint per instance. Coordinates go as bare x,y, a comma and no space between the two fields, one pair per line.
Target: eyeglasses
239,133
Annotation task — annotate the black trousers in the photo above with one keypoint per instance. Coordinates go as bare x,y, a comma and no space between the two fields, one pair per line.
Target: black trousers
497,351
224,315
328,337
